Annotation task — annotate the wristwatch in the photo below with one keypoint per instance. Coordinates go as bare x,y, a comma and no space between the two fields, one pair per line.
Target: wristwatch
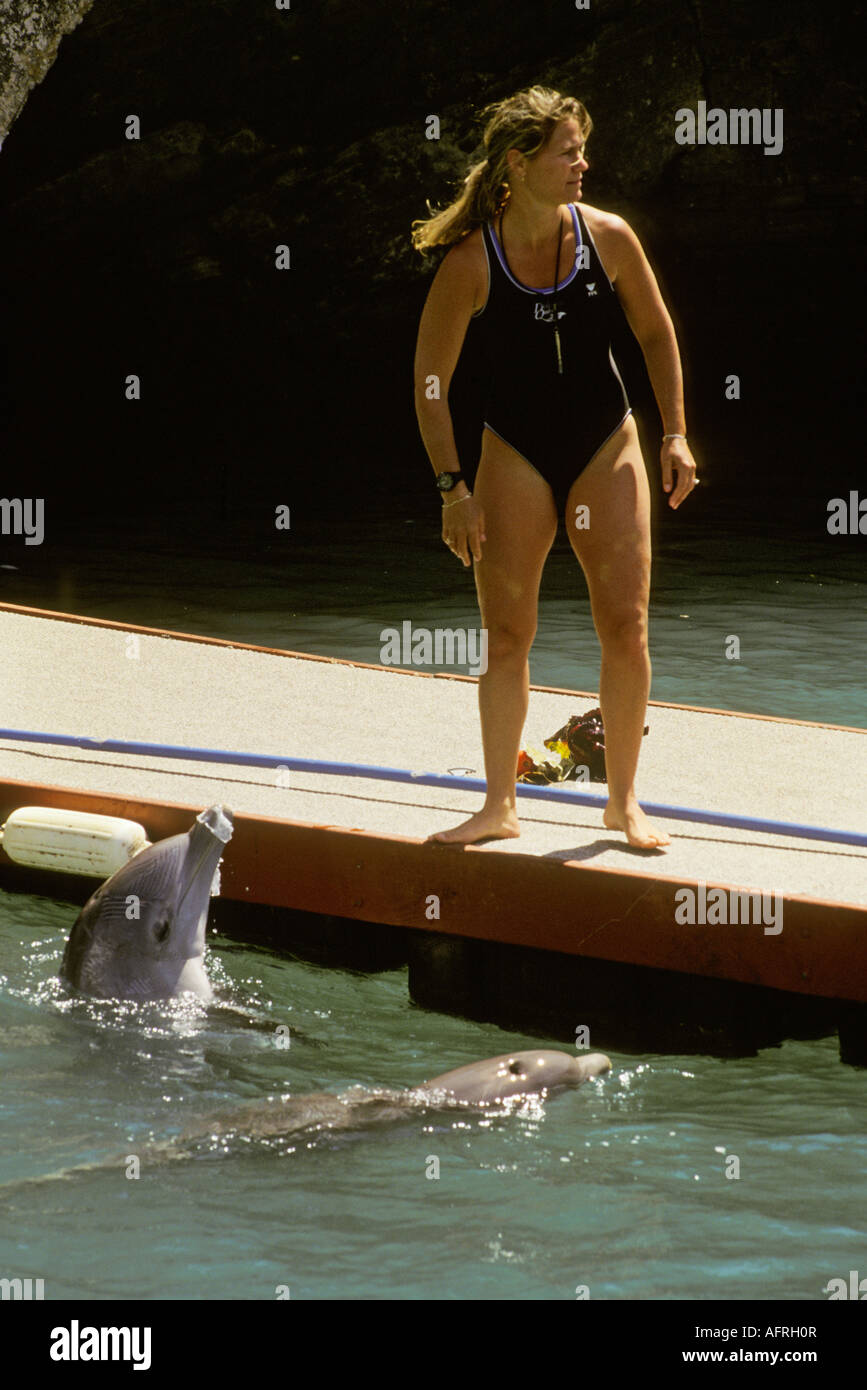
447,481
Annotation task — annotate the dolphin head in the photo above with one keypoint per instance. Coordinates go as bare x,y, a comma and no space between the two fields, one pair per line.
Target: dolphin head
519,1073
142,934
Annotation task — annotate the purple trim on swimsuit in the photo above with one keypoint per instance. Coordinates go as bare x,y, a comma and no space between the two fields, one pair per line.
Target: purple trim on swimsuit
529,289
599,258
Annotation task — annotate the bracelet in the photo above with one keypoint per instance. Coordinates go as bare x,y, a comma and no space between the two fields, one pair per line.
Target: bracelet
457,500
673,436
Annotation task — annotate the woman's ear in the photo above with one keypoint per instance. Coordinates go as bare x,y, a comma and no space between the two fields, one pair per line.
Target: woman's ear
515,161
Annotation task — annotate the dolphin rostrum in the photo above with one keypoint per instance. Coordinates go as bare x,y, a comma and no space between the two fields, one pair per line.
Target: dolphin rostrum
142,933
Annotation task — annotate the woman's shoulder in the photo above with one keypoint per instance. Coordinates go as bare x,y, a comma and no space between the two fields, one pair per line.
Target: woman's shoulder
465,266
612,235
469,251
601,222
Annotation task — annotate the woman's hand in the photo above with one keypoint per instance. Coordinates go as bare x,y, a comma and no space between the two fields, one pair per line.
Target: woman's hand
464,528
676,456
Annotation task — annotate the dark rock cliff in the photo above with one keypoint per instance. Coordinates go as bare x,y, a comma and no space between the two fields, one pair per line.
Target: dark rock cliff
30,35
306,127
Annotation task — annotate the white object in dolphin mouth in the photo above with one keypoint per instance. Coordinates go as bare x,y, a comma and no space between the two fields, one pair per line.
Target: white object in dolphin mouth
219,825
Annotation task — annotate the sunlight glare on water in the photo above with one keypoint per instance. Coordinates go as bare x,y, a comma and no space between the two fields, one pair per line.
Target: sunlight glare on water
619,1185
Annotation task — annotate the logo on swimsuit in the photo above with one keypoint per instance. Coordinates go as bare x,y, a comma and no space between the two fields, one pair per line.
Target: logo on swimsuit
591,289
545,314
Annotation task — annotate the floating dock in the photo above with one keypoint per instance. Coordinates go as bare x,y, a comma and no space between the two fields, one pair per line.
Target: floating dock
568,892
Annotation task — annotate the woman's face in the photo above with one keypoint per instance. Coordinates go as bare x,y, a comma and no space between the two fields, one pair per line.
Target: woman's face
554,174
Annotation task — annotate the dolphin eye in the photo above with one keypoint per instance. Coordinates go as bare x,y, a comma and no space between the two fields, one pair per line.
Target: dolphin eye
162,930
516,1069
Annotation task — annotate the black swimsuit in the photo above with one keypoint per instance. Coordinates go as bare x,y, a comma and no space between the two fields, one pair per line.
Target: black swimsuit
555,421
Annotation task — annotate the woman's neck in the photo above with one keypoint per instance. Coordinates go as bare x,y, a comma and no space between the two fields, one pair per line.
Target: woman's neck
530,224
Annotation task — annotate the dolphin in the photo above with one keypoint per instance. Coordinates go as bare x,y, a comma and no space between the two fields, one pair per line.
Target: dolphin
491,1081
494,1080
142,933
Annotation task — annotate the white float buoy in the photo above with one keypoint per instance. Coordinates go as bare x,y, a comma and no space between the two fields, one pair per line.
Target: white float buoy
71,842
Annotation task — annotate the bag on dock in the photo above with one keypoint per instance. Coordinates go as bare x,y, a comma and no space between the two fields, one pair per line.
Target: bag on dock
579,744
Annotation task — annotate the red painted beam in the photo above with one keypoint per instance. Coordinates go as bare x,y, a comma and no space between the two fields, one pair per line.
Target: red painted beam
512,898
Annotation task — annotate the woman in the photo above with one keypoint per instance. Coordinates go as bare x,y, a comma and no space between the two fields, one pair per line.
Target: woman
558,433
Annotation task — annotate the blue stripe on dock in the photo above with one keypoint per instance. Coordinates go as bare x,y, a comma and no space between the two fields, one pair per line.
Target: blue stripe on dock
433,779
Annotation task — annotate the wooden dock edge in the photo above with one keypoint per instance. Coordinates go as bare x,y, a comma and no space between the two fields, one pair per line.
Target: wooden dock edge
512,899
632,977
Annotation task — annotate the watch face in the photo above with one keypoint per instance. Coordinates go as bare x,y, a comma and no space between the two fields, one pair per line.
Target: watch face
446,481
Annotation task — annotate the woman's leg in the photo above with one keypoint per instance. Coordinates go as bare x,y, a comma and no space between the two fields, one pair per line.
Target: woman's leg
520,524
614,551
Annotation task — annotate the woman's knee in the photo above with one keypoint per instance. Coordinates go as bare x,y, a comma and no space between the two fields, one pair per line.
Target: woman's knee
623,630
509,642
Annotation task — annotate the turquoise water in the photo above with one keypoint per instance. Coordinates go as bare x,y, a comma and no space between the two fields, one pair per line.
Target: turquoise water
795,598
620,1186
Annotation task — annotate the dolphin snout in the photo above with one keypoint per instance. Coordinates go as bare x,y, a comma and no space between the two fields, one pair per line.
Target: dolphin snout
219,820
594,1064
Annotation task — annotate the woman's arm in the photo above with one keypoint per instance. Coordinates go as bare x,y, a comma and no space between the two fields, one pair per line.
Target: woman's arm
454,295
635,284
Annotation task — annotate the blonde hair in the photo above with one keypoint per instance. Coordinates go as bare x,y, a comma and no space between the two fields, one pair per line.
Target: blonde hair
524,122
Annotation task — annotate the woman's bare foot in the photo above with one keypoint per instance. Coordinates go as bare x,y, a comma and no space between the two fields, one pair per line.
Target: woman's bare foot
500,823
640,831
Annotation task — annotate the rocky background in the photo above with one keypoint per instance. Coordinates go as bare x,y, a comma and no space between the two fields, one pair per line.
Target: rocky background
307,127
30,35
